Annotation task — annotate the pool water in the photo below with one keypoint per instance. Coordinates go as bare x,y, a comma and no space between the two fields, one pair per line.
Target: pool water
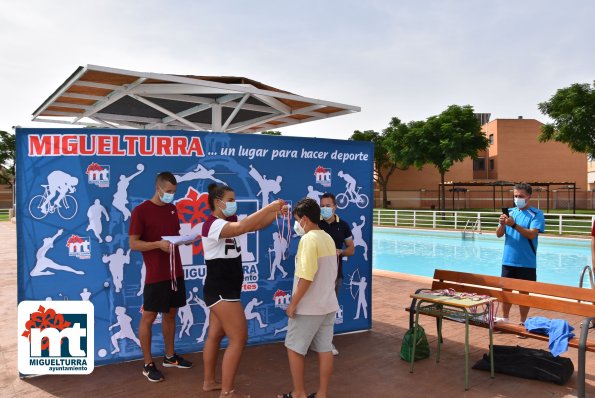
417,252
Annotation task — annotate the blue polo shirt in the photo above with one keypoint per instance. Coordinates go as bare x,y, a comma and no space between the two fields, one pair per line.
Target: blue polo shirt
517,249
340,232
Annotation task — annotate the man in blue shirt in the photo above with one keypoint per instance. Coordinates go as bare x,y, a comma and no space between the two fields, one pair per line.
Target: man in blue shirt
520,228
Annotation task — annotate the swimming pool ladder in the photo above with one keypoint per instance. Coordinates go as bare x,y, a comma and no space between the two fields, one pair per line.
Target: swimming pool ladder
469,233
589,274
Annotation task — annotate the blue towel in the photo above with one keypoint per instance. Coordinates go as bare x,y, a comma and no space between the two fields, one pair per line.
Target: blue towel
558,329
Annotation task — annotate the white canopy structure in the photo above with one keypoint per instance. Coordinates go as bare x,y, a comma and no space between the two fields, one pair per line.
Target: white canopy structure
100,96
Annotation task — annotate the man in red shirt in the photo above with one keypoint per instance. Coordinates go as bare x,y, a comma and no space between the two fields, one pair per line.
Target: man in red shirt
164,289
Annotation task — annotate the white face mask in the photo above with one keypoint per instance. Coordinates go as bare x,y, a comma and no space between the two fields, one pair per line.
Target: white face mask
520,202
297,227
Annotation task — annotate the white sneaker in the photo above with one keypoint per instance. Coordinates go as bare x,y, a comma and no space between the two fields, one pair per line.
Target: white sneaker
501,320
334,350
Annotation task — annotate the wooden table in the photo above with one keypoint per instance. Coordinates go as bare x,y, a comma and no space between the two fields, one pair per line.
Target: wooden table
462,309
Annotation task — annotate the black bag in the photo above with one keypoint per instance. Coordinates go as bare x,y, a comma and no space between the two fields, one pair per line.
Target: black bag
528,363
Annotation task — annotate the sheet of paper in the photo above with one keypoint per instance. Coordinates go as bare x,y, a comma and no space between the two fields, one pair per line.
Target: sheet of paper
182,239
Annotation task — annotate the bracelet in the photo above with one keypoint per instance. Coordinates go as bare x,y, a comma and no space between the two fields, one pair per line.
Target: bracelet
513,226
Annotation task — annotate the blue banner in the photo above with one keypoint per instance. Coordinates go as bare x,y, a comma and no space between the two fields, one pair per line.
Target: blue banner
76,189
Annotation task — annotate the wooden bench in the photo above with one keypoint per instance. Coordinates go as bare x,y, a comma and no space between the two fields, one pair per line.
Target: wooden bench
546,296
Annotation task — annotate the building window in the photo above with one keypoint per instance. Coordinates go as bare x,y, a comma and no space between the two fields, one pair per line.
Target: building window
491,164
491,139
479,164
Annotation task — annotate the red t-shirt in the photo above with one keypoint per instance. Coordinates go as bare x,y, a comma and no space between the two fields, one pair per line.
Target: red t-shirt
593,230
150,222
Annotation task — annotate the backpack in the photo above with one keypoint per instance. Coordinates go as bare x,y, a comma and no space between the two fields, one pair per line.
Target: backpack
422,348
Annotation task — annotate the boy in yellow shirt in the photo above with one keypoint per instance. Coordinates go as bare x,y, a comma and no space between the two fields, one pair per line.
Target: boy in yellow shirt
313,303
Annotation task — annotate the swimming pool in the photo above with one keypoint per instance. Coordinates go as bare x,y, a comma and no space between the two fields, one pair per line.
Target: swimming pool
420,252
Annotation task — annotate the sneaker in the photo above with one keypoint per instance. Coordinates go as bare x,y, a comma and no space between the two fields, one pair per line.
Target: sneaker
501,320
177,362
334,350
152,373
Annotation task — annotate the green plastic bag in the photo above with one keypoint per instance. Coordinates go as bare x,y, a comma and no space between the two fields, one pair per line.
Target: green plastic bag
422,348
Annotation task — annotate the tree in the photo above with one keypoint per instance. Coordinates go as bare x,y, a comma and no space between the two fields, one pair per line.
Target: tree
573,112
449,137
391,152
270,132
7,157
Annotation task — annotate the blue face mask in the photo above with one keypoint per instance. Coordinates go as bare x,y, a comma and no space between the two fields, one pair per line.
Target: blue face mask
520,202
230,209
326,212
166,197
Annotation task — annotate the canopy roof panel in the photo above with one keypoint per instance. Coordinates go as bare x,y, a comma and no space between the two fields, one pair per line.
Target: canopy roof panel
107,97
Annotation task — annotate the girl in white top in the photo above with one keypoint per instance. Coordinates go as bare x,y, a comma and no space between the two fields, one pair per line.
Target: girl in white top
223,283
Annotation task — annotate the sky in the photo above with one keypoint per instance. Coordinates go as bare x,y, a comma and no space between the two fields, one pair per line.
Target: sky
393,58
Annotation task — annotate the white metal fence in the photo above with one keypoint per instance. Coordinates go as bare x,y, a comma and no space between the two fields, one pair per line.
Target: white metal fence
561,224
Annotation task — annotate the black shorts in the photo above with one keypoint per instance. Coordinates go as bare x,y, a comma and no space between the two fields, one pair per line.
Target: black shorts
159,297
528,274
224,281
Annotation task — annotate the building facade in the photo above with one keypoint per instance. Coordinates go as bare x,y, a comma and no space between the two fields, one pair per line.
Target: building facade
514,155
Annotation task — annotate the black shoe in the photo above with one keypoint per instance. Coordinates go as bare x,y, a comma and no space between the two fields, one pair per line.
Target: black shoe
152,373
176,361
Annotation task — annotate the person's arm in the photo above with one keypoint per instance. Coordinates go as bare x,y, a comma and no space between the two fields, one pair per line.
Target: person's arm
349,248
529,233
140,245
254,221
501,230
302,287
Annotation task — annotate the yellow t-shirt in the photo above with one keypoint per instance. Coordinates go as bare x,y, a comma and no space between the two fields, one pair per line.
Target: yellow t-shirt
316,261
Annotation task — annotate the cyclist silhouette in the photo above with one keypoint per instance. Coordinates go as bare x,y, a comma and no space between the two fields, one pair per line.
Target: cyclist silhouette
351,194
61,183
351,183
